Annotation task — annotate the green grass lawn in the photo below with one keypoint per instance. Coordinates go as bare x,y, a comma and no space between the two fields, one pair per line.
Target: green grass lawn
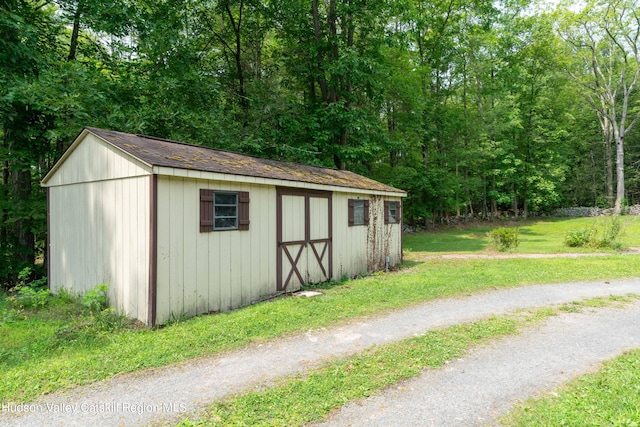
609,397
62,345
541,236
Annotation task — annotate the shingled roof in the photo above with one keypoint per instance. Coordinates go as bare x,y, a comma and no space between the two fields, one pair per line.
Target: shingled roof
164,153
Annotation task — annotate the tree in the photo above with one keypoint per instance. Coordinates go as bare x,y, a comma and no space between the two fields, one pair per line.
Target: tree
605,36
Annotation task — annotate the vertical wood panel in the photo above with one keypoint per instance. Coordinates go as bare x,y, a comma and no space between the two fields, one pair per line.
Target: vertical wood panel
125,238
109,199
213,261
163,312
267,241
244,248
319,221
176,239
115,288
150,217
237,256
190,228
203,262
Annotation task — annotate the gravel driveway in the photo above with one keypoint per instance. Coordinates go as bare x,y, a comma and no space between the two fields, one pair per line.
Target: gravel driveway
477,389
166,395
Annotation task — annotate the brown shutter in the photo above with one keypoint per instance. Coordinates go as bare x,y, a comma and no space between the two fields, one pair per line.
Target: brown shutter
366,212
386,212
351,208
243,210
399,212
206,210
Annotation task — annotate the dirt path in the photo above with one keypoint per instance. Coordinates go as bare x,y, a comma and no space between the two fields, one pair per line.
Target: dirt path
630,251
168,394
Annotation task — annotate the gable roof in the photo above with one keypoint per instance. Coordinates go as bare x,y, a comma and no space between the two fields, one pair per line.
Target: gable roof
165,153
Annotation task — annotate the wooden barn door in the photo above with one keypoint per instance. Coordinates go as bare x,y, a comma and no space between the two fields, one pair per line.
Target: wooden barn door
304,252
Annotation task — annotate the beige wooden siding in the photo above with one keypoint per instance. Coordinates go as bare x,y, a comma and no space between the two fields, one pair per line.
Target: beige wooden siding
349,243
95,160
100,234
215,271
382,239
361,248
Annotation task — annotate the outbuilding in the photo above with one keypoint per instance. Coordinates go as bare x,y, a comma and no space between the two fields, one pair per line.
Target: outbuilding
179,230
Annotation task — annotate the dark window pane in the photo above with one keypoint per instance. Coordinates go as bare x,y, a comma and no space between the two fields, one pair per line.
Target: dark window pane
393,212
358,212
226,211
226,199
225,223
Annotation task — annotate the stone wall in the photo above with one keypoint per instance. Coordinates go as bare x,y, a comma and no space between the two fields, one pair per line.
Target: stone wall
591,211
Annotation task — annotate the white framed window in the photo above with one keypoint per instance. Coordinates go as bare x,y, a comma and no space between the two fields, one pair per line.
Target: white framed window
225,210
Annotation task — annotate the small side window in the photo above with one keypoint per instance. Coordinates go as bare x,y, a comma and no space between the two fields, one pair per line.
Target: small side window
358,212
223,210
391,212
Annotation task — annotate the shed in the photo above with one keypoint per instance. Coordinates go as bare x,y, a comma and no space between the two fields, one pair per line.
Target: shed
179,230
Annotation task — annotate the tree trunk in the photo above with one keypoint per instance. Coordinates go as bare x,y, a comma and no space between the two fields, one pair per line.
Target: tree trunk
73,46
237,55
617,209
607,132
22,234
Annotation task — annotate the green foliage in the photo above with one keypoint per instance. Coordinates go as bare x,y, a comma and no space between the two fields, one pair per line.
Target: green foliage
97,298
504,238
29,294
603,234
603,202
578,238
473,117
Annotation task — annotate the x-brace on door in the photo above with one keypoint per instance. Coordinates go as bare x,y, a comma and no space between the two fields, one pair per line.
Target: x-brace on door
304,237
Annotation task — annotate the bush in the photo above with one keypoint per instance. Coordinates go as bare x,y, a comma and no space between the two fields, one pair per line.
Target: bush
97,298
604,233
577,238
504,238
29,294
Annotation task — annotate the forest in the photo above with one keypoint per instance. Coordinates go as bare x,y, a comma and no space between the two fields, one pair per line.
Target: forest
473,107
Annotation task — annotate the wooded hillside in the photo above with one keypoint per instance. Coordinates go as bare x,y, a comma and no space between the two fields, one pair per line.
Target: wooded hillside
471,106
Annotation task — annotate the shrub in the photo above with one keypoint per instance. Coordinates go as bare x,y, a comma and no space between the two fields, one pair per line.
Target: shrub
577,238
29,294
97,298
504,238
604,233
